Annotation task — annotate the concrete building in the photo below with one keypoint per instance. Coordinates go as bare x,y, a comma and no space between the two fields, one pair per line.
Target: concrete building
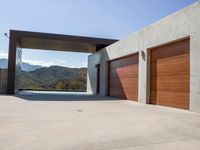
159,64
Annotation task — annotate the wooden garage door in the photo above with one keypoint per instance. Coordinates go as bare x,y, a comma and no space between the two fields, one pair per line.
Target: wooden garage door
170,75
123,78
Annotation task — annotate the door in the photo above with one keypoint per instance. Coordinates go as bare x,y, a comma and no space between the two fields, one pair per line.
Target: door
98,78
170,75
123,77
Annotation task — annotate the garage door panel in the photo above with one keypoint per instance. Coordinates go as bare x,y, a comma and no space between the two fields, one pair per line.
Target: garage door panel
123,77
117,92
129,60
124,93
171,66
131,95
167,99
170,75
171,83
124,83
125,72
171,50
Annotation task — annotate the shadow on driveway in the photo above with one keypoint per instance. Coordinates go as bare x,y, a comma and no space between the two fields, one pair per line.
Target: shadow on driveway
61,96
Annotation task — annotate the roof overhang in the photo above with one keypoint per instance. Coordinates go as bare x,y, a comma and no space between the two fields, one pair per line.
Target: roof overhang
58,42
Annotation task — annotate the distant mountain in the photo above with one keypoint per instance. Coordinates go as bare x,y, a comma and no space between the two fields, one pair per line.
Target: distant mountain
25,66
50,78
55,78
29,67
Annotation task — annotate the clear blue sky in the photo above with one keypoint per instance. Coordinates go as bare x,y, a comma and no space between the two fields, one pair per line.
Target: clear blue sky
96,18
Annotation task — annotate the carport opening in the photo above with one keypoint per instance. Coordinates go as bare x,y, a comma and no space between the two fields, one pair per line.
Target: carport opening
45,70
46,41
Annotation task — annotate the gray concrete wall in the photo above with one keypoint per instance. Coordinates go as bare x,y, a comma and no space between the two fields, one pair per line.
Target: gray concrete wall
182,24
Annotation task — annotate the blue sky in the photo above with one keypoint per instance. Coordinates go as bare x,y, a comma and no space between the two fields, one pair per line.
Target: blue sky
97,18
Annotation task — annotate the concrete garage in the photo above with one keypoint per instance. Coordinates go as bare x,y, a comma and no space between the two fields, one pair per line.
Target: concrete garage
168,63
134,89
157,65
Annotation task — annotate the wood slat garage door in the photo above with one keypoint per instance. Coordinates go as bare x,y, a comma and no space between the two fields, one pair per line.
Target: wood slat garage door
123,78
170,75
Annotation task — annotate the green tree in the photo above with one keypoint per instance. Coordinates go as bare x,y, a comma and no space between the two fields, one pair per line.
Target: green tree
60,86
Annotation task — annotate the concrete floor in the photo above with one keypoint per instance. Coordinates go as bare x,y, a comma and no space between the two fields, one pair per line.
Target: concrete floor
84,122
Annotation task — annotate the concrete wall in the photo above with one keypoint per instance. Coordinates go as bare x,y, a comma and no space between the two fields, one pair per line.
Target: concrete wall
182,24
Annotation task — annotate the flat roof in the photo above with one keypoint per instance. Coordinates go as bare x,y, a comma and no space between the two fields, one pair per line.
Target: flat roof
59,42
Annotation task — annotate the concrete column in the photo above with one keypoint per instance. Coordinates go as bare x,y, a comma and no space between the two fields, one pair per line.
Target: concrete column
195,57
11,64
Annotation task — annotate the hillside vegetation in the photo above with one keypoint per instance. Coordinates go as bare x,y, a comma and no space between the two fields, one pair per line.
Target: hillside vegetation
54,78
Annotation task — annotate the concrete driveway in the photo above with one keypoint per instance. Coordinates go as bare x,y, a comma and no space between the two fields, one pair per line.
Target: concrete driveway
85,122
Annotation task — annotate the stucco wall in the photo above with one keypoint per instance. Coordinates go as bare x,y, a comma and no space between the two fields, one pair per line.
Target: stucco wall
182,24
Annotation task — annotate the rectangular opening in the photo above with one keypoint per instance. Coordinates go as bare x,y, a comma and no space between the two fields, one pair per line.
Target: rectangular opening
44,70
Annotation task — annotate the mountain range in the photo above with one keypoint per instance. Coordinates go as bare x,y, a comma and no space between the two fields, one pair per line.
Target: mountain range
25,66
50,78
54,78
